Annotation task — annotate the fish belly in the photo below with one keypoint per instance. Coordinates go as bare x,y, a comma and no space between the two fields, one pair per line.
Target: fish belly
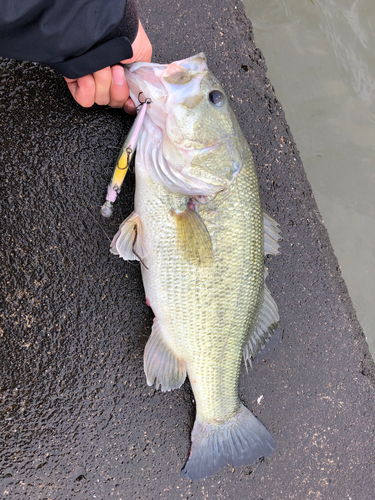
204,311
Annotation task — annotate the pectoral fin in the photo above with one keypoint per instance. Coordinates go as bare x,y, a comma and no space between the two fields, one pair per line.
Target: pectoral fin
193,237
128,241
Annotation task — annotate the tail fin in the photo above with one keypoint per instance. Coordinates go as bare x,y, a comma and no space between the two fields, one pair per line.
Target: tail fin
241,440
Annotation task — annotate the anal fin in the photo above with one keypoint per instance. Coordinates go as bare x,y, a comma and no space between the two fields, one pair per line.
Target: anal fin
161,365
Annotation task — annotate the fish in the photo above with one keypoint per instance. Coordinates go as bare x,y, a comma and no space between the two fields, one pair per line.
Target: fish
200,234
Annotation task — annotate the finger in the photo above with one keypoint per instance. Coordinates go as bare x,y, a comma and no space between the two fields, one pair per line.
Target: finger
82,90
129,107
119,92
103,80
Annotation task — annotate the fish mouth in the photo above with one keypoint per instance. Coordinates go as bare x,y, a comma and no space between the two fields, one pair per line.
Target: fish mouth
163,85
162,82
194,64
144,83
144,74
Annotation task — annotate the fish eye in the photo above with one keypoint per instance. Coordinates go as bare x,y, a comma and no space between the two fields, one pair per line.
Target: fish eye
216,97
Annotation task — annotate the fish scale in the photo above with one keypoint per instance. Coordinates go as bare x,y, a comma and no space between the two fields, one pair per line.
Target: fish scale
207,307
201,239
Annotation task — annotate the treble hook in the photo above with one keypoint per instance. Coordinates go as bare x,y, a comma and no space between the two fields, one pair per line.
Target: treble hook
146,101
129,153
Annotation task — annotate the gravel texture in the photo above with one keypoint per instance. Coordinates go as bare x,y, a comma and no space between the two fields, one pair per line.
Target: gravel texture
78,420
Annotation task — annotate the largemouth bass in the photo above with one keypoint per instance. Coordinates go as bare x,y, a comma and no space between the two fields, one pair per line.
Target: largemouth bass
199,230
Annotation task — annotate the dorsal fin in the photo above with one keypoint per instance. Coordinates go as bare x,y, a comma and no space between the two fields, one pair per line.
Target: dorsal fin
272,235
268,319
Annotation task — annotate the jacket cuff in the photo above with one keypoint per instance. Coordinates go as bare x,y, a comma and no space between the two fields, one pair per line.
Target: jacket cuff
95,59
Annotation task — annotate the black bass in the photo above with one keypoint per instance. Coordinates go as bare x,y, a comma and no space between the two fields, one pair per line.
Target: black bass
199,230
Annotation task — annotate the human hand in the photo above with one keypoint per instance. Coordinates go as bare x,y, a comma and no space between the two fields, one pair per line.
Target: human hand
108,86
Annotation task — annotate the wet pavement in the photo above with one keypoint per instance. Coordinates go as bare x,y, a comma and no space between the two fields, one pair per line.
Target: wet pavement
78,420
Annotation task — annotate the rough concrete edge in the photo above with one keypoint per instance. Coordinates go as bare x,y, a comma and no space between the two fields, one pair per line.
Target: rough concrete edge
367,368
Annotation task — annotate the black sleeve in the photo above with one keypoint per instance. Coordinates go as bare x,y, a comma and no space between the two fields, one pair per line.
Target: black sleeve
75,37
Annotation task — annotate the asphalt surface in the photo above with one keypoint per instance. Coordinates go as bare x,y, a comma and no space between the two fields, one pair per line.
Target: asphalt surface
77,418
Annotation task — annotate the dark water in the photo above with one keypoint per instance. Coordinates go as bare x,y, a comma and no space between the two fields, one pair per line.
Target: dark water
321,60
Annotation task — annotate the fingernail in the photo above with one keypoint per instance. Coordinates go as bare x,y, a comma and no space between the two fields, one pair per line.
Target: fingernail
118,75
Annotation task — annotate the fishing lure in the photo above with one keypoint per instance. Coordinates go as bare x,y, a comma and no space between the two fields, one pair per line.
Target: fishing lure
123,161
